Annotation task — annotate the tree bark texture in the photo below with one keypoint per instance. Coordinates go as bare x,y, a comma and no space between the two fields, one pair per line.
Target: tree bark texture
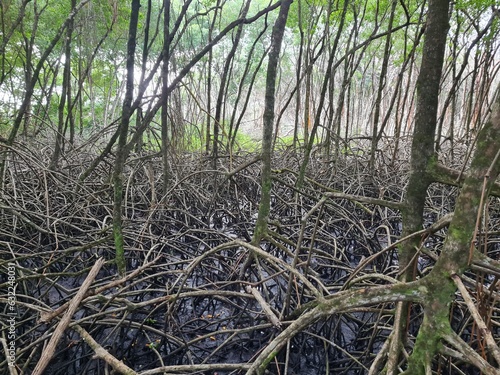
268,118
121,153
422,151
458,247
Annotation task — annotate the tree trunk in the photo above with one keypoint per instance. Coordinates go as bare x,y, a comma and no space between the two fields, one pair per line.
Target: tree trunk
322,98
222,94
145,55
208,131
458,248
268,119
380,90
422,151
165,143
121,152
298,101
236,122
65,96
30,86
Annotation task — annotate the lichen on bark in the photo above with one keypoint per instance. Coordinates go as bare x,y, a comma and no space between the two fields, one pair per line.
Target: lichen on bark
455,254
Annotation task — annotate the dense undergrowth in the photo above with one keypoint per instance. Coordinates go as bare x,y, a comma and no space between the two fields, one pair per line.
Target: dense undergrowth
183,305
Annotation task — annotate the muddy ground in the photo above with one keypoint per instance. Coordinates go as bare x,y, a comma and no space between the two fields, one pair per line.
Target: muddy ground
185,302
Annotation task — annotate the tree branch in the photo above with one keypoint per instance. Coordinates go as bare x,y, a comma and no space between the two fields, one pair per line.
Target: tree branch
63,324
490,341
103,353
342,301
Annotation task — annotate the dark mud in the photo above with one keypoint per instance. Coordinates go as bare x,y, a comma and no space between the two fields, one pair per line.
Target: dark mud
189,307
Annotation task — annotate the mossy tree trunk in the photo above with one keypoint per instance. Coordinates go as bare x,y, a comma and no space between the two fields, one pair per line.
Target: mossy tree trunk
267,134
121,152
456,254
436,291
268,122
422,150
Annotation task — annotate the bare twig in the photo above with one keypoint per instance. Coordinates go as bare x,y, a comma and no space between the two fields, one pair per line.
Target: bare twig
63,324
490,341
48,316
103,353
466,353
265,306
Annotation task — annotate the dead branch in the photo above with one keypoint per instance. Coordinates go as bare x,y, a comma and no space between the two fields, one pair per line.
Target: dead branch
63,324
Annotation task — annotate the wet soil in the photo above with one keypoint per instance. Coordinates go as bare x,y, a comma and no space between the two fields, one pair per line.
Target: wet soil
187,304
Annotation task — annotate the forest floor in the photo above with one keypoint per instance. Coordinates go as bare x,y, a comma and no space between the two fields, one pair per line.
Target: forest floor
183,305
